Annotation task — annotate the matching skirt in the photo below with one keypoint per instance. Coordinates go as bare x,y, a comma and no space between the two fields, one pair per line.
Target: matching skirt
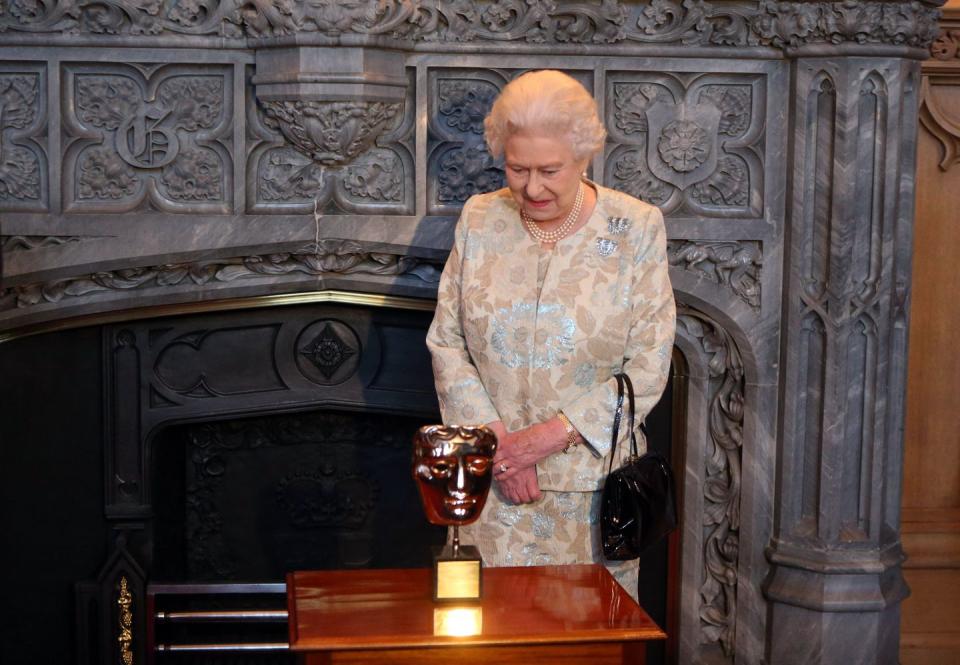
560,528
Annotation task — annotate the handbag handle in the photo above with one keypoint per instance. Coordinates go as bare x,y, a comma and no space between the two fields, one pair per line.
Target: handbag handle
623,380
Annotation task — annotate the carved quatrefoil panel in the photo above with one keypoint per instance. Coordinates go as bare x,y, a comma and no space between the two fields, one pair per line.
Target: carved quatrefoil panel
158,134
689,145
459,164
23,163
334,156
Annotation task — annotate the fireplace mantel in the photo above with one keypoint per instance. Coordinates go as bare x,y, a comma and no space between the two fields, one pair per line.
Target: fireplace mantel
168,158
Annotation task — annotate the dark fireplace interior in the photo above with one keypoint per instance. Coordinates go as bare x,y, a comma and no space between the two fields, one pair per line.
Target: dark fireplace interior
252,498
240,502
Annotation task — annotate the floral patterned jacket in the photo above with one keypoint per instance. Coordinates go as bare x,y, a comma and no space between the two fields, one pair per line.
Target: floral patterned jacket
521,332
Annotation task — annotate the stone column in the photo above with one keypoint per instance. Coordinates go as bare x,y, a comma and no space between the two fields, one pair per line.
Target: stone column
835,584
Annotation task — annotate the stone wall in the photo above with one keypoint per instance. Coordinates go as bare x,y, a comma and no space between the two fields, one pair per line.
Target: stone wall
158,154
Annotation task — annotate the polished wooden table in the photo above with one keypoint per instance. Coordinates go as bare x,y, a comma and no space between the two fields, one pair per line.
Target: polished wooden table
560,614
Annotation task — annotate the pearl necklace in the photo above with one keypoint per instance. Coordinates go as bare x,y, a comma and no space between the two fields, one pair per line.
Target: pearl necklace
561,231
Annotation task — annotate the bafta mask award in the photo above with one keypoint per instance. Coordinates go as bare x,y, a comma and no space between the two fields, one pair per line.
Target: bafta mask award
453,467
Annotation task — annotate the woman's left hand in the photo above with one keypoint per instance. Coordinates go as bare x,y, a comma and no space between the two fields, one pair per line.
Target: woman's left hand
524,448
522,487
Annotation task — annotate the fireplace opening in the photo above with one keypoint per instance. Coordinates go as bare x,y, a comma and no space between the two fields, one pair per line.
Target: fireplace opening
241,501
249,499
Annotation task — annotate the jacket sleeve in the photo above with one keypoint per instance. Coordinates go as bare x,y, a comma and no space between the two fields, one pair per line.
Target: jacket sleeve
648,349
463,398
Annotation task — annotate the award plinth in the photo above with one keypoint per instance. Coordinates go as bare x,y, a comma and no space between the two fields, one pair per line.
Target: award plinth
457,571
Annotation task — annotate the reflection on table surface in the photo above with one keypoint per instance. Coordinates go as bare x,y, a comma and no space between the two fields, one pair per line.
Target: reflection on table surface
341,609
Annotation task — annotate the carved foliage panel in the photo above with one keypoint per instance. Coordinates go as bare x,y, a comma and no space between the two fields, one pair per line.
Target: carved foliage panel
338,156
568,21
23,145
690,144
147,133
459,164
721,479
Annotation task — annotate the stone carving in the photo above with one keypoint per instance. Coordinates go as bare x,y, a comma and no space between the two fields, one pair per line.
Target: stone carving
328,352
103,175
465,171
631,175
735,265
26,243
687,141
377,176
797,23
684,145
631,102
272,18
690,22
107,101
145,135
19,167
285,175
734,102
329,133
460,164
465,103
721,484
332,256
192,365
19,175
729,185
683,141
193,176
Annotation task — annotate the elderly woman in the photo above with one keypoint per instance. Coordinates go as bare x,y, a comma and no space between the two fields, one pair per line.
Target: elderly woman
554,283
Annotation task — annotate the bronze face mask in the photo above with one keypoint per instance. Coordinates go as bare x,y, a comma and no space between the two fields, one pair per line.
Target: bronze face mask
453,470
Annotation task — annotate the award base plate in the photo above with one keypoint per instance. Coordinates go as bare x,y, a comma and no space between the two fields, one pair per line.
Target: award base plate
457,573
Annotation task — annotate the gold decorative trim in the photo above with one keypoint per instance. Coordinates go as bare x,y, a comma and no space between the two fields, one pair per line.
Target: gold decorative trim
125,603
254,302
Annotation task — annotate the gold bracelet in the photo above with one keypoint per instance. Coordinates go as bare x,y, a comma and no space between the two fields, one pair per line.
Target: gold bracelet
572,434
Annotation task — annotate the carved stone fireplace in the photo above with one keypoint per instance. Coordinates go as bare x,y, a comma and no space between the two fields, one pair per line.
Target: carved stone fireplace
212,158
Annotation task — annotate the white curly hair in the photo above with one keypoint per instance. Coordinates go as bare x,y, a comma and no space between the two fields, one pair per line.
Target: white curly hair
546,102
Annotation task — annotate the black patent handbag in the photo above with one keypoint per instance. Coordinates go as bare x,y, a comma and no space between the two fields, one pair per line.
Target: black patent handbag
638,506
